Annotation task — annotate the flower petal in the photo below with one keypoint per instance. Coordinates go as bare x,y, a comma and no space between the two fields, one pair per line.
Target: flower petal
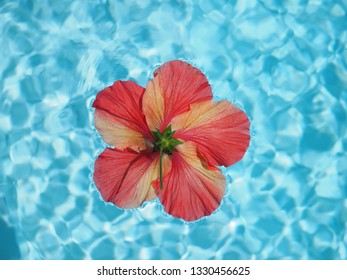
190,190
115,133
125,177
220,130
175,86
118,116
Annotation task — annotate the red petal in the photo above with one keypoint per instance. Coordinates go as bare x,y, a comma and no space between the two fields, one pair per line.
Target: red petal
117,175
125,177
176,85
220,130
120,105
190,190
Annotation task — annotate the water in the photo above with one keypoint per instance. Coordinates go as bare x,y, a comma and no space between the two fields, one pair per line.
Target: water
284,63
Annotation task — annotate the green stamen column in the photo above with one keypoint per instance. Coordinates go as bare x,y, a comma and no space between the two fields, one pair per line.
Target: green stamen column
164,143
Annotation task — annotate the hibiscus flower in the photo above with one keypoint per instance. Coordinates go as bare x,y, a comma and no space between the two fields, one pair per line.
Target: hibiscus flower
167,141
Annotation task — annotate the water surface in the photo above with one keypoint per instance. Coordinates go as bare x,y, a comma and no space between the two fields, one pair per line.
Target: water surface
283,62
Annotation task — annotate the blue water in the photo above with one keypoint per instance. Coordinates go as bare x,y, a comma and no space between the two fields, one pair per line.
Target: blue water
283,62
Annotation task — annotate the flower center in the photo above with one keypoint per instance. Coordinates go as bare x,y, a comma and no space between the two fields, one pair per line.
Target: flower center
164,143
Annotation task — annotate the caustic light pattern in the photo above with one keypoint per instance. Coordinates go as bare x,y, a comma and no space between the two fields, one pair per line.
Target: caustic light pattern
166,141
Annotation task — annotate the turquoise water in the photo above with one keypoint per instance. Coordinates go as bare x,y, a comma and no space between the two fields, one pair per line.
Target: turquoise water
283,62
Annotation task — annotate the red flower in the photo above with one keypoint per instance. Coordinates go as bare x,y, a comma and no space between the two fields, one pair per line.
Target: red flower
168,140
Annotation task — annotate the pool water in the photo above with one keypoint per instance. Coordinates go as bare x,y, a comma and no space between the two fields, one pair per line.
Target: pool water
283,62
